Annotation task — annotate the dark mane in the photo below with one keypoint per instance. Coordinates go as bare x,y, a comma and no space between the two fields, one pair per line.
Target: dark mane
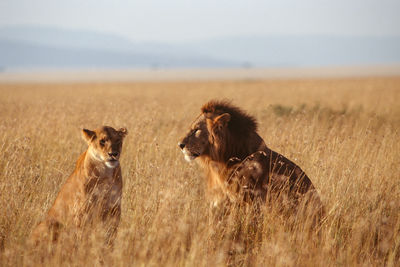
241,123
237,141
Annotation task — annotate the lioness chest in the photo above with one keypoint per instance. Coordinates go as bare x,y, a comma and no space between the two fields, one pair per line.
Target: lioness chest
83,199
102,196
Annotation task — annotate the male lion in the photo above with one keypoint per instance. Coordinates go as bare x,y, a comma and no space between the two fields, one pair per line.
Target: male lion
92,193
239,166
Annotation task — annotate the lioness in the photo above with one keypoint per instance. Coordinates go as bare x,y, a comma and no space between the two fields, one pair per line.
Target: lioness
239,165
93,191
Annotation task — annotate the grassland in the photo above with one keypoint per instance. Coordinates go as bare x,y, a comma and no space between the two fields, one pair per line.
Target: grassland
343,132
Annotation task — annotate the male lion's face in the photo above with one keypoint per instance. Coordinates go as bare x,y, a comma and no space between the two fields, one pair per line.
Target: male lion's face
196,142
203,134
105,144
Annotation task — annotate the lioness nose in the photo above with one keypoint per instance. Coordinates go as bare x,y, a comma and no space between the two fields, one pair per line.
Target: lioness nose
113,154
181,145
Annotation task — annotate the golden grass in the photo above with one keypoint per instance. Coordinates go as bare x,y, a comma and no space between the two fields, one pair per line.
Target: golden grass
343,133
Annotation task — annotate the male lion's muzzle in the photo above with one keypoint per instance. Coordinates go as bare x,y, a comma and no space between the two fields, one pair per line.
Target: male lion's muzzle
189,156
181,145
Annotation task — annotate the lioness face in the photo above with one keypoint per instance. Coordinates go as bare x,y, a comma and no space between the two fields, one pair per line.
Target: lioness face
204,133
196,142
105,144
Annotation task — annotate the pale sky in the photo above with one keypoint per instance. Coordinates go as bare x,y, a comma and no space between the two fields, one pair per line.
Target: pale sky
177,20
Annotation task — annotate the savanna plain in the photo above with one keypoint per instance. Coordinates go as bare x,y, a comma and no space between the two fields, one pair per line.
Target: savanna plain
344,133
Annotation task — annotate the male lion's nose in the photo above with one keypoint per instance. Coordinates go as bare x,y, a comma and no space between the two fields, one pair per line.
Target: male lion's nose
181,145
113,154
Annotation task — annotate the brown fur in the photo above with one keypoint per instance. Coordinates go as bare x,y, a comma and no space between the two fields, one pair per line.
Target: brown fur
238,164
92,193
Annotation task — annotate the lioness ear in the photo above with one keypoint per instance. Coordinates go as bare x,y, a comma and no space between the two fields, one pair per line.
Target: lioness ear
123,132
88,135
222,120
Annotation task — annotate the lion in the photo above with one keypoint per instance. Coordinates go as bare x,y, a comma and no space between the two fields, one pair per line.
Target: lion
239,166
92,193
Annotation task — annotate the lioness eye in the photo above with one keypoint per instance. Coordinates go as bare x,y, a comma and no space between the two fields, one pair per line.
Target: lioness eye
102,142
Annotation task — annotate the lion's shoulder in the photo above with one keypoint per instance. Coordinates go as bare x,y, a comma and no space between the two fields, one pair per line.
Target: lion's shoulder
251,170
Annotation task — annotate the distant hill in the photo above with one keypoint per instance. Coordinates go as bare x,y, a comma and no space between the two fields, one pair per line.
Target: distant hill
46,47
37,47
20,55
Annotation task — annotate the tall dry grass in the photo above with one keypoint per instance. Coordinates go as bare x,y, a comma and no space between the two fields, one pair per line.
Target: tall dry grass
343,133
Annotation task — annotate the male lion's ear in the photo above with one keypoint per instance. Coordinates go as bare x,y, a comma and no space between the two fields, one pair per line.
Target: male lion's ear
123,132
222,120
88,135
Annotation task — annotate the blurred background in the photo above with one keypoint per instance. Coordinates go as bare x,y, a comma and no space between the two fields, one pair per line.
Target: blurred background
177,34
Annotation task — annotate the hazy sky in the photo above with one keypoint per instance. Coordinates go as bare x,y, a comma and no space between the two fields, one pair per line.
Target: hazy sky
175,20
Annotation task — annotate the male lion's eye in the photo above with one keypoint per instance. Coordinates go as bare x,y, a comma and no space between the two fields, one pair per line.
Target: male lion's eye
102,142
